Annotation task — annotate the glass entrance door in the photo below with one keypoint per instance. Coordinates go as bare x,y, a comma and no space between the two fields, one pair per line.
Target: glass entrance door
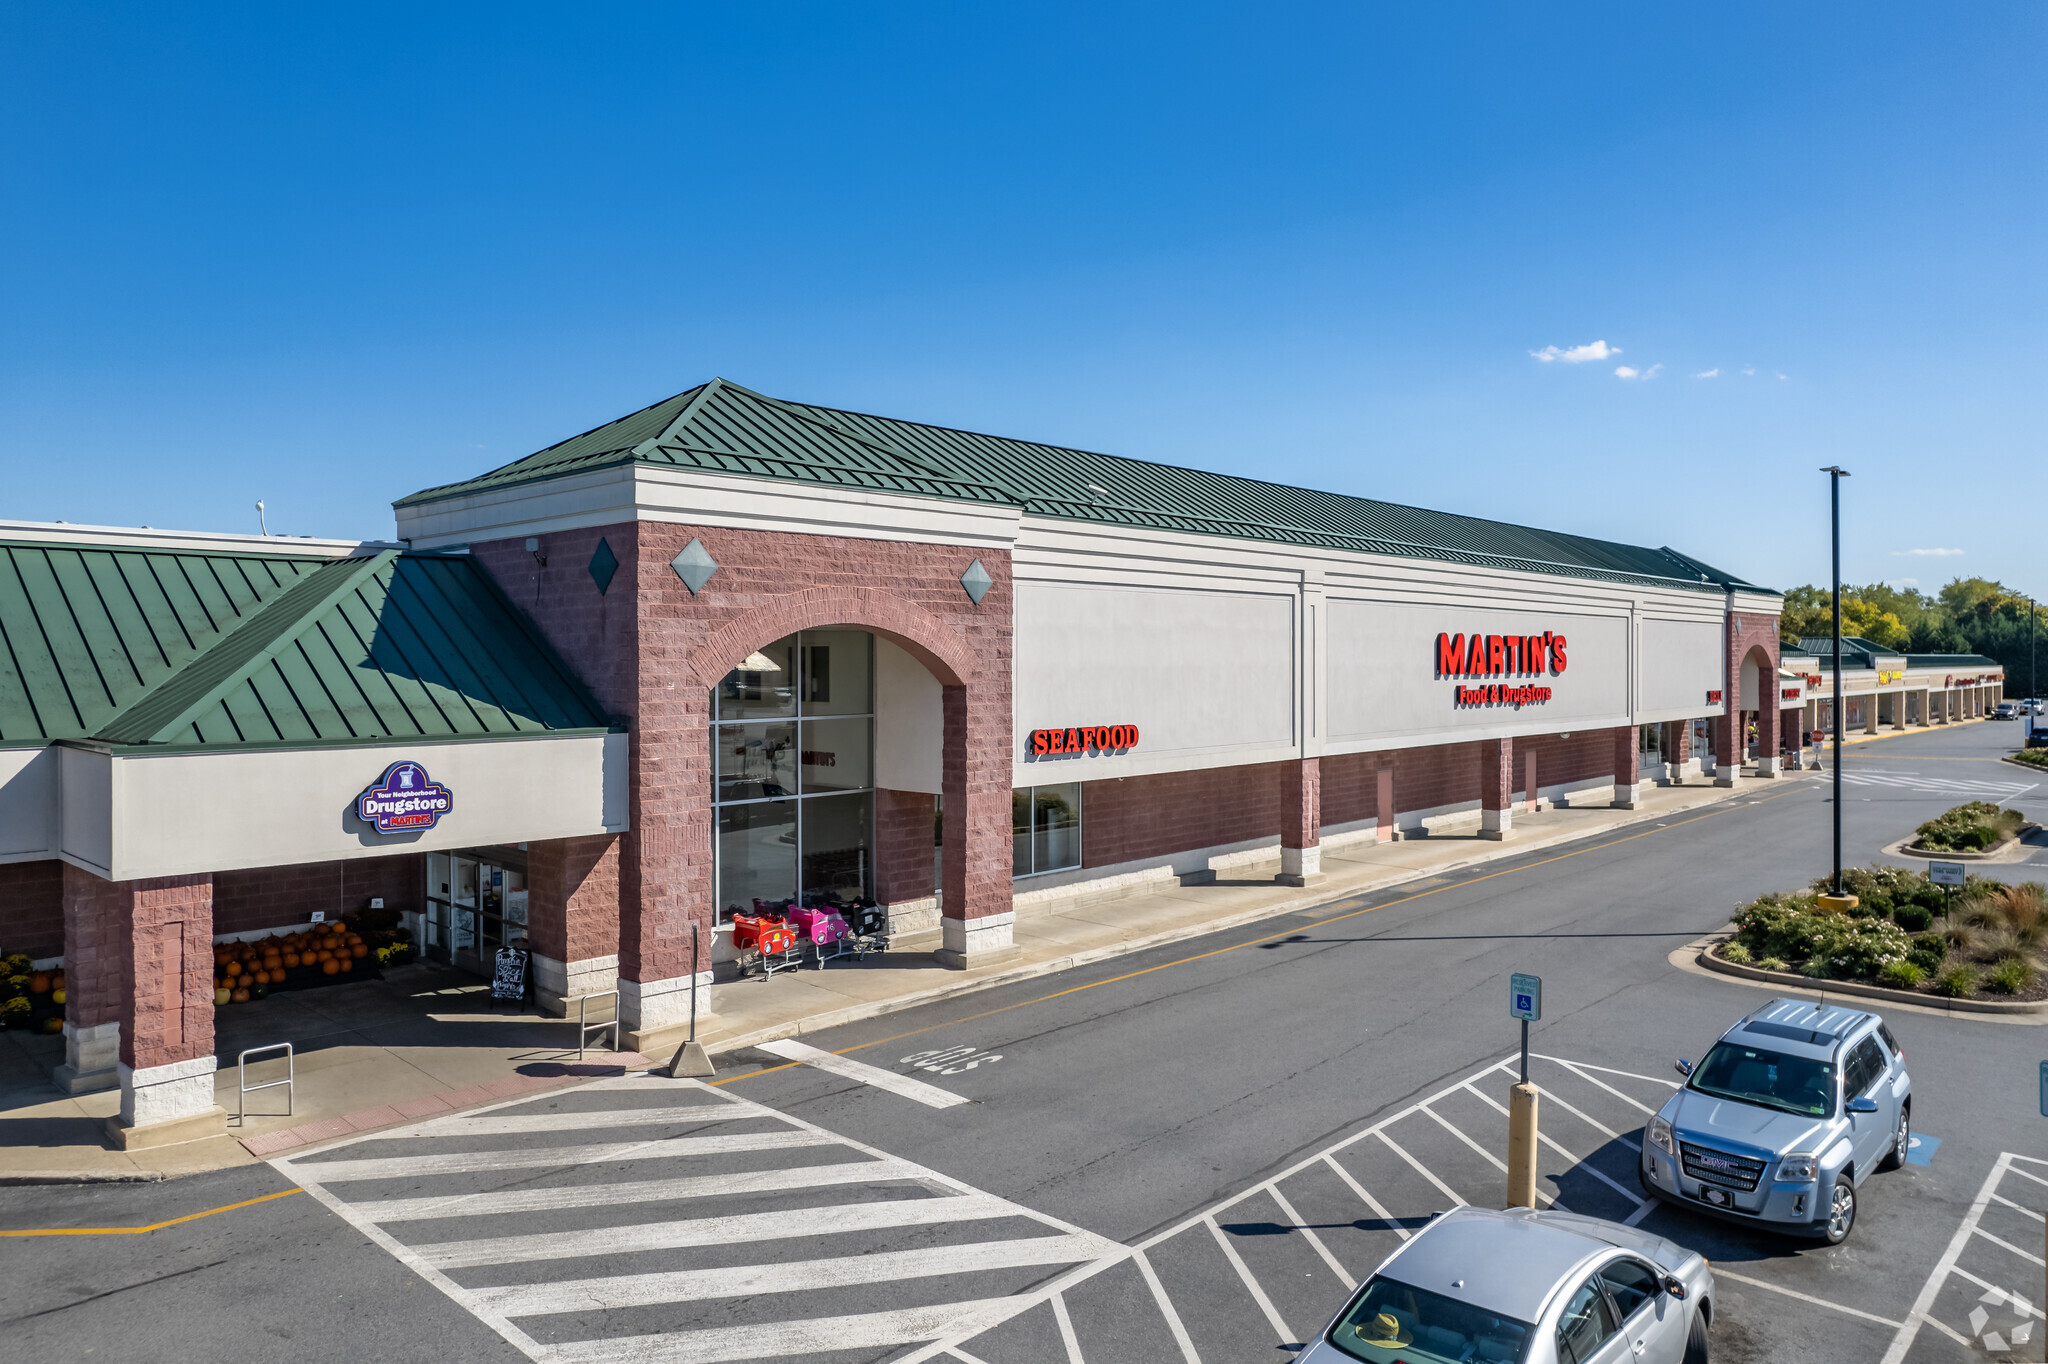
476,903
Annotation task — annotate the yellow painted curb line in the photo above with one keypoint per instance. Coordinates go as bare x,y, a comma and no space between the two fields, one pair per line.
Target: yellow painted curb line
154,1226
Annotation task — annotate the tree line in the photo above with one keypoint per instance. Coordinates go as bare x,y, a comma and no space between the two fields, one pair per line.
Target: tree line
1969,616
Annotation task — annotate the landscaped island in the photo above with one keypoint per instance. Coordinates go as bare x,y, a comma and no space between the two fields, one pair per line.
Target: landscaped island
1990,940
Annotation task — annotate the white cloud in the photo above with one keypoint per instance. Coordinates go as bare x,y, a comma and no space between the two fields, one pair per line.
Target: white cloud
1713,373
1901,582
1925,553
1576,355
1781,376
1750,370
1629,372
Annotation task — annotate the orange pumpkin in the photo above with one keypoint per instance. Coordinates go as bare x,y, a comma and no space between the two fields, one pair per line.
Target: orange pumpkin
39,983
240,996
291,959
232,969
359,951
329,966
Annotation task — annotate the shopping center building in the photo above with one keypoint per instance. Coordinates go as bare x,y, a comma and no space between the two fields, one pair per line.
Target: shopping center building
1884,689
731,652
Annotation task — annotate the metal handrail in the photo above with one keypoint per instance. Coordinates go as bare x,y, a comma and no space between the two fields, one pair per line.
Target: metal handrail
291,1070
584,1028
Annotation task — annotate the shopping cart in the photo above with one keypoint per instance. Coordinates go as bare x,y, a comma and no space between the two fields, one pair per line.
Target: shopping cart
822,929
869,924
769,937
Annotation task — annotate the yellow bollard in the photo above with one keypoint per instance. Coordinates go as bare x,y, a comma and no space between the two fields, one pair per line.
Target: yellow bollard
1522,1146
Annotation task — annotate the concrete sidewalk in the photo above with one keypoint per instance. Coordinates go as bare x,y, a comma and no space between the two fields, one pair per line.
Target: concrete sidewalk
425,1039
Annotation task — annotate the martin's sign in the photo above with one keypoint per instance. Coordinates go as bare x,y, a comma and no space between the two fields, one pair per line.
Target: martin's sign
1084,739
404,800
1501,656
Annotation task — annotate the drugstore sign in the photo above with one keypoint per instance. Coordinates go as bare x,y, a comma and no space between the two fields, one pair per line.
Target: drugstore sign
404,800
1501,656
1083,739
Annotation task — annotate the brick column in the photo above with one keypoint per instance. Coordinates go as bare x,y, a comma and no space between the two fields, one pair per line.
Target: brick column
1627,773
1383,807
1679,762
976,861
1496,787
1767,723
1789,727
95,982
1301,822
150,942
572,919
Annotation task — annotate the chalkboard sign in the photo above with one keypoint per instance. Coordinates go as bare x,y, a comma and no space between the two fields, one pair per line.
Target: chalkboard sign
510,981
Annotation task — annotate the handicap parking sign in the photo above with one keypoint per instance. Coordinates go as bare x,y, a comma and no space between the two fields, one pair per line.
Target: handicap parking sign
1525,997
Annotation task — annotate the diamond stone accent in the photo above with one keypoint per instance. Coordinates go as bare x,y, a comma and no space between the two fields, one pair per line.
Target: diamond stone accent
976,581
694,566
604,565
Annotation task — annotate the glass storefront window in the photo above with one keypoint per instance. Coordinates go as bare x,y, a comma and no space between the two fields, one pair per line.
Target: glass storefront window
1045,828
755,762
764,685
476,904
756,854
793,773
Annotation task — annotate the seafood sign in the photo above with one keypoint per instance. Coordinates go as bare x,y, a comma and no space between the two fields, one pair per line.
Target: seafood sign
404,800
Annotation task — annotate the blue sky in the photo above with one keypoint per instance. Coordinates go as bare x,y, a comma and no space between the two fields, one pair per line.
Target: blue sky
328,257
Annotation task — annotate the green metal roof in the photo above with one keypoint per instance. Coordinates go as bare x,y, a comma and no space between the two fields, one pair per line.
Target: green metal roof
721,427
145,647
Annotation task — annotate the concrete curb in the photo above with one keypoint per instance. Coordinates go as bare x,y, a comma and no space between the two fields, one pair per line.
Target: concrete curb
2006,852
1493,852
2031,767
1700,954
29,1177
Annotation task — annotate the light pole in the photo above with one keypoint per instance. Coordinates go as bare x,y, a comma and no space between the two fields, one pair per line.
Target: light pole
1835,475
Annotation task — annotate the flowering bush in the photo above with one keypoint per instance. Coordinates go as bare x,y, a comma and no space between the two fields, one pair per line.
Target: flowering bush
1822,943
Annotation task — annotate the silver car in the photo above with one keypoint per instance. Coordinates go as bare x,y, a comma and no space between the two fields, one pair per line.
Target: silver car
1792,1111
1520,1287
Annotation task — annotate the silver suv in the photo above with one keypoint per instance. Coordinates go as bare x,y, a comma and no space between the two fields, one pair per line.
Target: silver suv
1795,1107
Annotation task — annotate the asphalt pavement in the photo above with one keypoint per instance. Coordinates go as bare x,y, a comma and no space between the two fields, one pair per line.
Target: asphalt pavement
1188,1153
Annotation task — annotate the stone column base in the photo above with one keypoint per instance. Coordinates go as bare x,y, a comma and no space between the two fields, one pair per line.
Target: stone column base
91,1058
654,1015
1677,773
1626,797
556,984
977,942
209,1122
1300,866
153,1095
1496,825
1767,767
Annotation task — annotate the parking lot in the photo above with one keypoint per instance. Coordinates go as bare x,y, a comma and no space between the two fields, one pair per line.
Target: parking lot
647,1218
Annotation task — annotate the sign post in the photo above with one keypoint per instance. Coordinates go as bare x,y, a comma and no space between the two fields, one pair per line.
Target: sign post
1525,1002
1947,875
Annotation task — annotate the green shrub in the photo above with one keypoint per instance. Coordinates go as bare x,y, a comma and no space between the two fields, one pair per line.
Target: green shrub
1956,981
1901,975
1817,969
2033,757
1774,964
1929,961
1911,917
1969,827
2011,976
1735,952
1930,897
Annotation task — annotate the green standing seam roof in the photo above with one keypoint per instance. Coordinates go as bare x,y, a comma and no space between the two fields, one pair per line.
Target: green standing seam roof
720,427
382,648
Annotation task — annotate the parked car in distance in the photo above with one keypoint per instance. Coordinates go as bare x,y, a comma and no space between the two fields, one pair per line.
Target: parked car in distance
1524,1287
2031,706
2006,710
1784,1121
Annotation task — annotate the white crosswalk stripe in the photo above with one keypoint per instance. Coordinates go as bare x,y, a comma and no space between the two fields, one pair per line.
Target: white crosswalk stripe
1997,791
529,1224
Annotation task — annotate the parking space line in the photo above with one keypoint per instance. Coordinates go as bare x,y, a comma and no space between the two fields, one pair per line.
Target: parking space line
2016,1207
1066,1325
1578,1162
964,1357
2004,1244
1991,1287
1923,1304
1251,1285
1609,1088
1393,1223
931,1096
1301,1225
1551,1096
2036,1178
1423,1170
1721,1273
1173,1321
